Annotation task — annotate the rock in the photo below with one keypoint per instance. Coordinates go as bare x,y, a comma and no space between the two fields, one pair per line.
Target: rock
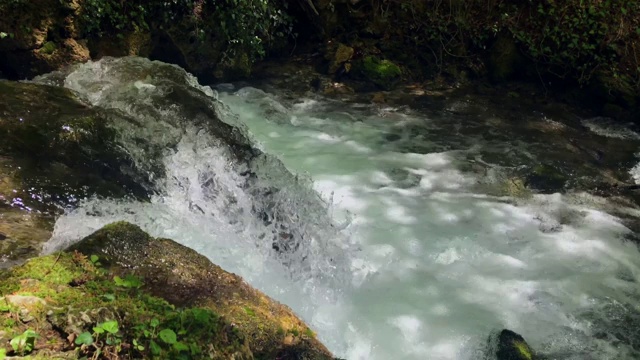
512,346
54,150
343,53
73,309
23,300
185,278
383,73
504,61
378,98
546,179
26,305
515,187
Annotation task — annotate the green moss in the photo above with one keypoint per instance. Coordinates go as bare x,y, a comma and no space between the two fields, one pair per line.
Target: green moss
74,290
523,349
249,311
383,73
309,333
49,47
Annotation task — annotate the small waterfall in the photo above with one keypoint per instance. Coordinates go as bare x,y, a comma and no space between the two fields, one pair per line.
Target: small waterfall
387,230
211,190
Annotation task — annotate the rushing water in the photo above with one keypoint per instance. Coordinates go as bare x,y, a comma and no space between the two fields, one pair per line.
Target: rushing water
404,244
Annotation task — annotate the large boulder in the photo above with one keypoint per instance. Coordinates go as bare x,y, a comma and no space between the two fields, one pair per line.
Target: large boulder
185,278
120,293
54,151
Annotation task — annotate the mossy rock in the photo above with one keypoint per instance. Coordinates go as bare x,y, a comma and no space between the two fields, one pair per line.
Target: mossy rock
512,346
54,151
383,73
60,141
64,297
341,55
516,187
49,47
187,279
546,179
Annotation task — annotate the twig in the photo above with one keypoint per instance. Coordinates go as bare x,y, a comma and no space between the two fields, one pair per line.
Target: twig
54,263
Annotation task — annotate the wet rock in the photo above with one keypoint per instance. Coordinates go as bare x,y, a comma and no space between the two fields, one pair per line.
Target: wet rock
546,179
185,278
512,346
515,187
383,73
54,151
342,55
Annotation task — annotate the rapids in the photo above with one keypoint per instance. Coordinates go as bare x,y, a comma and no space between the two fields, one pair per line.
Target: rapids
402,241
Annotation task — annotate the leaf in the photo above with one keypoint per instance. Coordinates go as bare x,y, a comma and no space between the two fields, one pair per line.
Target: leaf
94,258
129,281
155,348
154,322
3,35
180,346
138,346
109,297
3,353
24,342
110,326
84,339
98,330
168,336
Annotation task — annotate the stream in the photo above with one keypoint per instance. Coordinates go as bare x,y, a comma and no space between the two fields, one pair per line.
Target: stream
394,232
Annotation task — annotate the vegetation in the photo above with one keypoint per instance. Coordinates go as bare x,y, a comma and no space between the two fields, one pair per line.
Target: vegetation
246,26
76,307
570,39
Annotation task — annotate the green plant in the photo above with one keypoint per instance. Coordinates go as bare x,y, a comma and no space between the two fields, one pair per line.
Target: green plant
95,260
245,25
129,281
104,334
24,343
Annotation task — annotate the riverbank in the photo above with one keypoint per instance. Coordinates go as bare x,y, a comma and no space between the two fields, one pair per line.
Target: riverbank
583,54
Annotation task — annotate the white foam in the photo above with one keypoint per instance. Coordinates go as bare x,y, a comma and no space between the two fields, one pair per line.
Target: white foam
439,265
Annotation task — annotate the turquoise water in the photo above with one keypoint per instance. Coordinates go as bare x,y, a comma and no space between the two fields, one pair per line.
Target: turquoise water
409,247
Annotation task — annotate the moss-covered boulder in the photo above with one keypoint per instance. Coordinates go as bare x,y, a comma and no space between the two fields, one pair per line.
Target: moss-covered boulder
512,346
187,279
120,294
383,73
54,151
69,307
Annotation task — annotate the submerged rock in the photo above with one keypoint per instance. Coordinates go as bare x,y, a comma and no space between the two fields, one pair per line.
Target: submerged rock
185,278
